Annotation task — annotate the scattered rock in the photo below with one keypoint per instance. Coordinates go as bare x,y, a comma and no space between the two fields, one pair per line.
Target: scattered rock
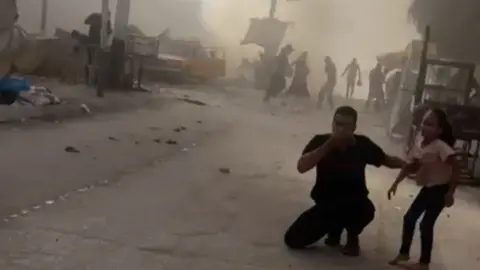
111,138
169,141
157,141
180,129
154,128
85,108
194,101
71,149
137,142
199,121
225,170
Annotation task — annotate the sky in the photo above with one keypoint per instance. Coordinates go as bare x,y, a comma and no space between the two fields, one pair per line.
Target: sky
342,29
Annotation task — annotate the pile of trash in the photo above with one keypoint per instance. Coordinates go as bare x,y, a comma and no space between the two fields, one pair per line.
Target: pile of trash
18,90
40,96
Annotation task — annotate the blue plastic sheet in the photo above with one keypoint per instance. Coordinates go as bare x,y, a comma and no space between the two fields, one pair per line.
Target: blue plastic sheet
14,85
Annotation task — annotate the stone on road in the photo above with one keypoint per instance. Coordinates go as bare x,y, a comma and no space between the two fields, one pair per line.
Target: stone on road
181,213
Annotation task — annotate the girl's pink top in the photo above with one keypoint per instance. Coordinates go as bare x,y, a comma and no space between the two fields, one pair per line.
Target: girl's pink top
433,167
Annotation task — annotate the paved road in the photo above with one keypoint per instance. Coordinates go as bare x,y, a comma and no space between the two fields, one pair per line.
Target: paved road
220,198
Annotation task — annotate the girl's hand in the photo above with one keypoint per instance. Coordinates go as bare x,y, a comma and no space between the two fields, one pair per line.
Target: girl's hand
392,191
449,200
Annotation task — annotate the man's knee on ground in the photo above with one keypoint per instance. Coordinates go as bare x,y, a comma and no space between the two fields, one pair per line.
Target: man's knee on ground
368,213
293,241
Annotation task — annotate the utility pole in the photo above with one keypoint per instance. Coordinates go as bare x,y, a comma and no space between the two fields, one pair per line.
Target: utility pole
273,8
122,15
105,18
100,58
43,22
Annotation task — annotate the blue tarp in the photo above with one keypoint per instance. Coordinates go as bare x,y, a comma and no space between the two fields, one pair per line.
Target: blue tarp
14,85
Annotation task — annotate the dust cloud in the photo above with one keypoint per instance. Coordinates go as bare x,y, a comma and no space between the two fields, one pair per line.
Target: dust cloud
340,28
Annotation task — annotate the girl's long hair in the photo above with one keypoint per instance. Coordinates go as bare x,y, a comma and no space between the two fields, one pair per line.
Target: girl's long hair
447,130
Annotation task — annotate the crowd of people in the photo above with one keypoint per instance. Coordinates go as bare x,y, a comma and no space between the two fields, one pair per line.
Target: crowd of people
381,91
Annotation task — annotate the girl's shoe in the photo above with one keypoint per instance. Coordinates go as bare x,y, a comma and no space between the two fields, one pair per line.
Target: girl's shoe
416,266
400,259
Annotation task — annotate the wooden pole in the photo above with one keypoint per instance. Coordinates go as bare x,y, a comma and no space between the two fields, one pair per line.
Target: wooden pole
122,15
43,22
273,8
422,71
100,52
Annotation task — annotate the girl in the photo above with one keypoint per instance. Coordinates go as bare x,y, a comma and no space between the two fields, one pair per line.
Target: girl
433,160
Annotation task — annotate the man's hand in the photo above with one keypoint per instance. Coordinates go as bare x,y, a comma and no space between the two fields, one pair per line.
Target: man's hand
340,139
393,162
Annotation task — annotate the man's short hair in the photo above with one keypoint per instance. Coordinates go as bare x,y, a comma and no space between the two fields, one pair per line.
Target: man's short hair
347,111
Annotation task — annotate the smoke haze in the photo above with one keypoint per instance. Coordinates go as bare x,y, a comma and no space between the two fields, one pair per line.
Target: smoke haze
340,28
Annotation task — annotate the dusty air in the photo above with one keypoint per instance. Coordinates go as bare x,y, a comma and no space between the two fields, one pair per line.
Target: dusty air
253,134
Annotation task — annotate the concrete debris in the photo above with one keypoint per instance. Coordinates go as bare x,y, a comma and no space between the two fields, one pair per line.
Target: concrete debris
111,138
180,129
194,101
171,142
40,96
85,108
157,141
71,149
225,170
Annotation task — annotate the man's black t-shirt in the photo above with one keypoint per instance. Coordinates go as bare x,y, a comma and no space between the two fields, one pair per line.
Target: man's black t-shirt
341,174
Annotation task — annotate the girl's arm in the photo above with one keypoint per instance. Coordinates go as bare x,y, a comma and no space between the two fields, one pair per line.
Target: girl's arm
455,173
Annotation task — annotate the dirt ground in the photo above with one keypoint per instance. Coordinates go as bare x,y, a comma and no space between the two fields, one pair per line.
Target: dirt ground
207,180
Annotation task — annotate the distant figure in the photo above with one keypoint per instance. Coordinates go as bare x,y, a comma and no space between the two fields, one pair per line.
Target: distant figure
353,73
299,86
94,21
375,91
392,88
282,69
329,86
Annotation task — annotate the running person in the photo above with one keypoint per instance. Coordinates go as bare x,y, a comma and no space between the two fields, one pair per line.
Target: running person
353,73
433,160
277,80
329,86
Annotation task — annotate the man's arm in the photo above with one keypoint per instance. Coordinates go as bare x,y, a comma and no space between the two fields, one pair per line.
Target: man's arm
359,73
313,153
393,162
376,156
345,71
